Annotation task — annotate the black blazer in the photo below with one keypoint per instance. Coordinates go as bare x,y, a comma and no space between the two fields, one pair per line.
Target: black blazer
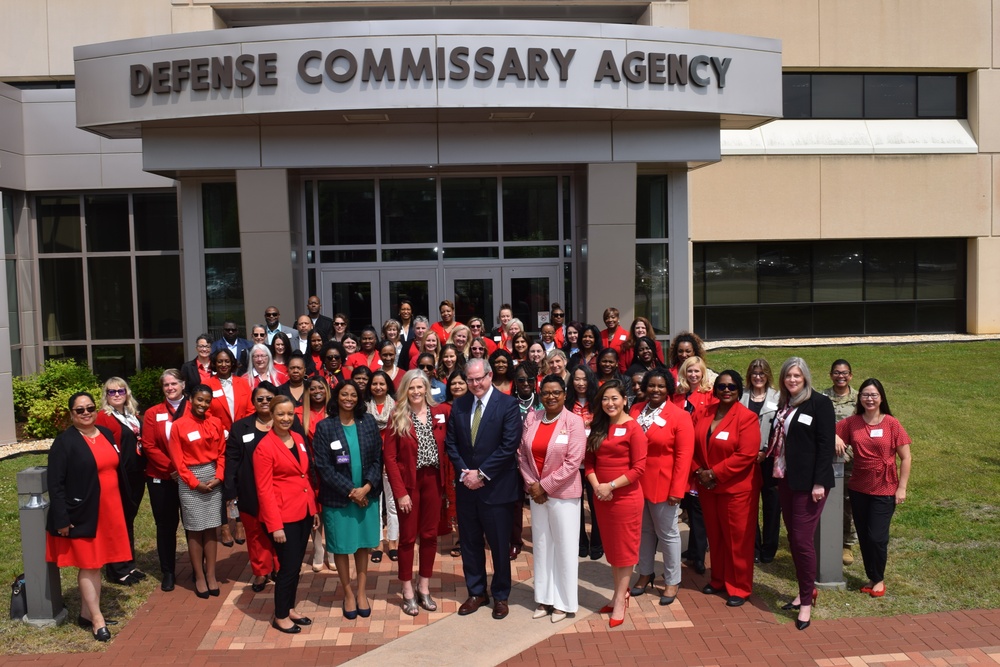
809,446
324,325
239,479
74,489
335,481
495,450
192,378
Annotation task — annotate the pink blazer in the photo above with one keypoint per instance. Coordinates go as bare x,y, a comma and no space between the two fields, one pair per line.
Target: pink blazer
560,474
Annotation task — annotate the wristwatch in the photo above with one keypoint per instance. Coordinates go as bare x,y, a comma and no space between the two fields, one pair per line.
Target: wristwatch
612,485
482,477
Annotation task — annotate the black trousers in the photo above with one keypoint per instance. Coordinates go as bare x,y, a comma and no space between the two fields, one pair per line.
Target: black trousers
872,516
166,505
768,530
594,543
137,488
290,555
697,538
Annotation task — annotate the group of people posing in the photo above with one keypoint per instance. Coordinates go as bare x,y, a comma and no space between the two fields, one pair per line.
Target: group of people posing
418,430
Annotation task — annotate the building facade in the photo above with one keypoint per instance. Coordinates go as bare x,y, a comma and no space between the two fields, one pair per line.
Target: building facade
758,169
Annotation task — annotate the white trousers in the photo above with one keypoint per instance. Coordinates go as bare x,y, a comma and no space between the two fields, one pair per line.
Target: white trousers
659,523
555,532
391,524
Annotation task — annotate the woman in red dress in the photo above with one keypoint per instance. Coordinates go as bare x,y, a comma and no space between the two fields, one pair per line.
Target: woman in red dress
447,324
86,522
614,463
367,355
281,350
726,444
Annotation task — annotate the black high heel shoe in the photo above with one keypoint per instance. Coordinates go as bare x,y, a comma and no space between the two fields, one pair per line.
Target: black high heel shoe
790,606
640,589
102,634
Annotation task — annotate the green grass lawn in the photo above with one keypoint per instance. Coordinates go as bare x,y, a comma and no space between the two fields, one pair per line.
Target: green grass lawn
945,548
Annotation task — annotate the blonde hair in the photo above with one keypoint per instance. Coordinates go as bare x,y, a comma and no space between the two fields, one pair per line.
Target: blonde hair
399,421
468,338
436,351
786,397
307,400
131,405
682,382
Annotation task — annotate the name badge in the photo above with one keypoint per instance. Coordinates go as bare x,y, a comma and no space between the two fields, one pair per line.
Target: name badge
659,421
439,419
586,432
562,439
248,437
771,405
496,339
621,337
876,433
620,431
722,435
435,391
193,435
162,417
381,363
302,446
806,419
343,459
218,393
120,451
225,433
335,445
157,480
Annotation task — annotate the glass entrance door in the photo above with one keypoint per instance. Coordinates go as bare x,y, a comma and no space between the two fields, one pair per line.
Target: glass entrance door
529,289
371,297
419,286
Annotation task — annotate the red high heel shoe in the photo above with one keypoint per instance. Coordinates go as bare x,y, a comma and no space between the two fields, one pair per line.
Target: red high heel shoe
877,594
614,623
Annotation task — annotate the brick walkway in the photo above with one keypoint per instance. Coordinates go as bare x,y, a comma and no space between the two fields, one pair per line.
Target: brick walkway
177,628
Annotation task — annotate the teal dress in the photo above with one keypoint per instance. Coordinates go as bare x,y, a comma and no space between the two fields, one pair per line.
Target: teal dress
351,528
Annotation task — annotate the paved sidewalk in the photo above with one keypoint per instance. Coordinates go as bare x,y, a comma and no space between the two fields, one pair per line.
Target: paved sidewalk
179,629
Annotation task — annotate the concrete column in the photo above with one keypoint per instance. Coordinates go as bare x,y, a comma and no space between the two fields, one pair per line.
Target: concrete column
610,241
7,431
983,298
266,244
679,266
192,266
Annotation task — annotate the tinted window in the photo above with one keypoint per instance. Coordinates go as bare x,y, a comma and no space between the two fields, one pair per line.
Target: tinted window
837,95
941,96
346,212
890,96
797,95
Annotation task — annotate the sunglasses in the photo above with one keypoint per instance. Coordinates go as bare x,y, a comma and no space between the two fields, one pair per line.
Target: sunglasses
558,314
90,409
264,399
340,324
523,380
117,392
269,315
426,367
726,386
333,357
259,335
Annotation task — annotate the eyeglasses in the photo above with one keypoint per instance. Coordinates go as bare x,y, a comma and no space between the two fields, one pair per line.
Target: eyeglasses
340,324
90,409
558,314
840,374
477,348
264,399
259,335
333,357
270,315
523,380
870,396
729,386
477,380
425,367
117,392
475,326
758,374
204,347
552,394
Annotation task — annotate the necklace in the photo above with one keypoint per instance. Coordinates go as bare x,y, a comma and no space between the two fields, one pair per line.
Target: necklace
526,403
757,399
547,421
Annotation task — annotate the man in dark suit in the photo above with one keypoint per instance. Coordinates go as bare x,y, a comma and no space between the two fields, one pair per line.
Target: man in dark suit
483,435
320,322
240,347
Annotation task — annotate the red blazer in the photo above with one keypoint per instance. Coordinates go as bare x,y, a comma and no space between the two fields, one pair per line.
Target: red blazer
701,400
285,493
193,441
560,474
668,456
731,452
619,338
155,435
242,401
359,359
626,357
400,453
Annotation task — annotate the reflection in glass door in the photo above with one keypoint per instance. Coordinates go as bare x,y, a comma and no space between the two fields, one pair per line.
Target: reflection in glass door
474,291
419,286
480,291
530,291
355,294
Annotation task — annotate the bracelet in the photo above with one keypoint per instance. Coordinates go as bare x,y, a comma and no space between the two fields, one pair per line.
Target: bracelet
612,484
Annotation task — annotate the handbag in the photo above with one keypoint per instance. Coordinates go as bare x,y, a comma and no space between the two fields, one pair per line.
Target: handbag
18,599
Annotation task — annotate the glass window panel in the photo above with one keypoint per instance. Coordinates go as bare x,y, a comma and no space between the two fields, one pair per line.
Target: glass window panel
13,312
61,287
731,322
940,317
786,321
567,208
106,222
698,273
312,281
889,271
651,207
154,221
346,212
158,282
161,355
114,361
220,215
354,299
568,292
530,252
796,95
224,288
940,269
838,271
343,256
890,96
310,215
784,272
8,224
652,288
890,318
530,209
837,95
839,319
414,290
74,352
528,297
473,253
110,280
941,96
59,224
408,210
730,273
473,297
469,210
410,255
15,362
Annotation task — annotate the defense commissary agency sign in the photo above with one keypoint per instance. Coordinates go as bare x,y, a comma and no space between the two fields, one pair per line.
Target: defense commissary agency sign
385,65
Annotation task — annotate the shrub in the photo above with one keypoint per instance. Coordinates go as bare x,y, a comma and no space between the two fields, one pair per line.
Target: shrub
146,388
26,392
61,374
43,396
